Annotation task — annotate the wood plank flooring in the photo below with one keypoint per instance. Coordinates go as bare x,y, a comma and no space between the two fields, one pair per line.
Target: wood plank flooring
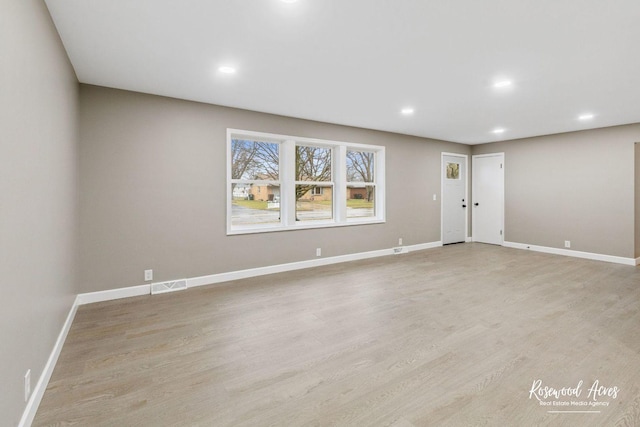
452,336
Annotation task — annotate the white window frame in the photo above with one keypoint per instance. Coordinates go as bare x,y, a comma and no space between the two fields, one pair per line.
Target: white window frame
287,183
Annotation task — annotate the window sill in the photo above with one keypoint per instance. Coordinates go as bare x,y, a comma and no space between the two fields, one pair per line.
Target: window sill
318,224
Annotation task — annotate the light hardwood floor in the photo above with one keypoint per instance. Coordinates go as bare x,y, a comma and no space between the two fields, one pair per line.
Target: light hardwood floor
449,336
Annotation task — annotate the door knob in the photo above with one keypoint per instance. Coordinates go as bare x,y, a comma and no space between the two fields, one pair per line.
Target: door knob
476,204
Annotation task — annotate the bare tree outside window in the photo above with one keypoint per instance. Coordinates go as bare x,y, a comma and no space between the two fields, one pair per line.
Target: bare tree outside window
312,164
360,169
252,160
360,166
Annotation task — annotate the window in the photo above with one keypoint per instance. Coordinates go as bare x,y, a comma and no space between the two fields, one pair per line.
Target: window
255,173
361,184
278,182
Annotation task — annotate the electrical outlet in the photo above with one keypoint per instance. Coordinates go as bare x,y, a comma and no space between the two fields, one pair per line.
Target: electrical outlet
435,197
27,385
148,275
567,243
400,241
318,252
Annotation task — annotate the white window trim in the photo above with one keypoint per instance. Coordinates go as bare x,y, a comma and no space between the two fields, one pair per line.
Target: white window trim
287,183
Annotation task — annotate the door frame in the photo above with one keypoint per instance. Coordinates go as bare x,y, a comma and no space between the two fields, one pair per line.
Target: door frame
465,158
504,167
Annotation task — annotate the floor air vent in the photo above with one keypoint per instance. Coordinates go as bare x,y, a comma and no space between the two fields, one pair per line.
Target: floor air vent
170,286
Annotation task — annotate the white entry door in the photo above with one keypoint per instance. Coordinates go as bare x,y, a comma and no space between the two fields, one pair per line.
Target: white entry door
454,198
488,198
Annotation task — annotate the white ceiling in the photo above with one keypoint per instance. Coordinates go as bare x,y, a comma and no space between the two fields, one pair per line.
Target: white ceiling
359,62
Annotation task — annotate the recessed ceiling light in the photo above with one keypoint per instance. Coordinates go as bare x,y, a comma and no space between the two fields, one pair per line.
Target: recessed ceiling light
502,83
498,130
585,117
406,111
227,70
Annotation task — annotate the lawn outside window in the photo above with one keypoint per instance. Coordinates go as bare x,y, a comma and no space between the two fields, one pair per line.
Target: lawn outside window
280,182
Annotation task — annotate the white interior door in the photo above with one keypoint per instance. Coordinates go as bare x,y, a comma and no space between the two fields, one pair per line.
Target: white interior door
488,198
454,198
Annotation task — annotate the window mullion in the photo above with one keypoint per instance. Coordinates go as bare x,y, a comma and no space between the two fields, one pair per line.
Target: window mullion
379,173
340,183
288,176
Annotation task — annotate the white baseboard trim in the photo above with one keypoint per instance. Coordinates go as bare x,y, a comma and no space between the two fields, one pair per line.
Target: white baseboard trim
133,291
423,246
575,254
637,261
111,294
281,268
38,391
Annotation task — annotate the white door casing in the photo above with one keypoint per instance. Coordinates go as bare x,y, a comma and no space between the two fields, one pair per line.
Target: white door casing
454,206
488,198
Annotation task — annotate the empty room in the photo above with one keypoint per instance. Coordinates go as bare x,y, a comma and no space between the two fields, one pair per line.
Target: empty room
319,213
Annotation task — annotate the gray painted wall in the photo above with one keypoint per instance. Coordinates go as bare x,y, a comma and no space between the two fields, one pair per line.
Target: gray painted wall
153,191
576,186
38,134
